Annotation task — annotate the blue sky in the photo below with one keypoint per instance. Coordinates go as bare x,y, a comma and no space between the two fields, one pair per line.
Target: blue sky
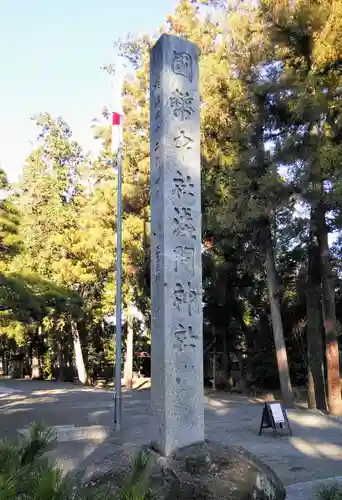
50,56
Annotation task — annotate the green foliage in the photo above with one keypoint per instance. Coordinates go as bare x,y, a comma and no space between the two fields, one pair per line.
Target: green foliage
39,441
138,484
10,239
26,474
271,135
331,492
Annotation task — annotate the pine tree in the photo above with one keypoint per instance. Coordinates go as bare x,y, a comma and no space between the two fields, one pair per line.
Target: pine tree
308,94
10,244
48,194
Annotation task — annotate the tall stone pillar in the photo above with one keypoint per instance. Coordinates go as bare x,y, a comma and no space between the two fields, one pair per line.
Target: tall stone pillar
176,272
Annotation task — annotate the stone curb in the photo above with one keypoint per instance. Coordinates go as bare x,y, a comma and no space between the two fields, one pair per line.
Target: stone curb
67,433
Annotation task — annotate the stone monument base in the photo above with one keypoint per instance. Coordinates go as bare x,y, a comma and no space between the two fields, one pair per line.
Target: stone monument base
206,471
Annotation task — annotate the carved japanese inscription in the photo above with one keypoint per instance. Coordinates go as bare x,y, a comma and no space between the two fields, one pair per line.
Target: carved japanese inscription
158,166
156,103
181,103
182,141
185,336
176,275
183,185
157,275
185,295
183,223
184,259
156,85
182,64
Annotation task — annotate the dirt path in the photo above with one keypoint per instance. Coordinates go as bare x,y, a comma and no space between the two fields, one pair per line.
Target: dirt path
313,452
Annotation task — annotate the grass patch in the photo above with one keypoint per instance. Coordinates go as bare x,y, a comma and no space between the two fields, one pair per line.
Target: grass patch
330,492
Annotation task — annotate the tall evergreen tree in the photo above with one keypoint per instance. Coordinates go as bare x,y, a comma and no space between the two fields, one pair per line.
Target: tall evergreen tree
308,92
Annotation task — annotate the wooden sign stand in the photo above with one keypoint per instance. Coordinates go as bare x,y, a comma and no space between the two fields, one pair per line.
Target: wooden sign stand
274,416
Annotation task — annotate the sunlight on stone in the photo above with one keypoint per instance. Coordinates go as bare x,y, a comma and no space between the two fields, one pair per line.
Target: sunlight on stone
215,403
22,404
16,397
15,410
318,450
37,401
222,412
99,413
317,421
49,391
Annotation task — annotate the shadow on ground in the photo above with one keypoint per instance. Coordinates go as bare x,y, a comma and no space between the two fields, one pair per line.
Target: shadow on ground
313,452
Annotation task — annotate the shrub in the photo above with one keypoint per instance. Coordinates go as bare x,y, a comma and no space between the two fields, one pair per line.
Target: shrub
331,492
26,474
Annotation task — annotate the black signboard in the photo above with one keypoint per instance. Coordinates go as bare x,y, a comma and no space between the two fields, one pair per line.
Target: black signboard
274,416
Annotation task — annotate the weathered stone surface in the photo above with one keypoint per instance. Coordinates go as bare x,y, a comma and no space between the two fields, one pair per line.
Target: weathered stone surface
176,275
214,472
208,471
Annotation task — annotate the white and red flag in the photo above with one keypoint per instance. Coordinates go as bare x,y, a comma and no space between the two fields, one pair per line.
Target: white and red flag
117,131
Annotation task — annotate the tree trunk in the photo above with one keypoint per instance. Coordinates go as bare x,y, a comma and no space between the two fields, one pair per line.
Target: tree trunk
329,317
36,373
80,366
311,390
267,246
59,358
277,325
227,375
316,382
214,357
128,364
35,368
65,369
5,365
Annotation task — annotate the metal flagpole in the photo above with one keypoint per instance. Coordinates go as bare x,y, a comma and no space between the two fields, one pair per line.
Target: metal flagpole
117,395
